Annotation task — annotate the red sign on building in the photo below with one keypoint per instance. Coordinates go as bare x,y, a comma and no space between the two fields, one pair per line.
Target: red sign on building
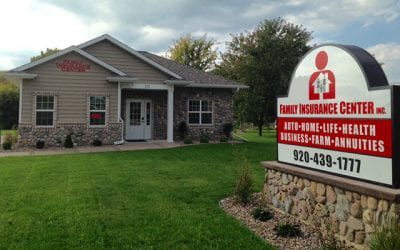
73,66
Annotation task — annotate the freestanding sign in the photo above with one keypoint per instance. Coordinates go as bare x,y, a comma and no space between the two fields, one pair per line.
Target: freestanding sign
338,116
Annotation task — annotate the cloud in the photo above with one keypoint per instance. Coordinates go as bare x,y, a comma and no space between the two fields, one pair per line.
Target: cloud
39,25
33,25
7,62
389,55
257,10
328,16
28,26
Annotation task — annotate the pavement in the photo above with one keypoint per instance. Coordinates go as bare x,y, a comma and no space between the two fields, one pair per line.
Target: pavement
128,146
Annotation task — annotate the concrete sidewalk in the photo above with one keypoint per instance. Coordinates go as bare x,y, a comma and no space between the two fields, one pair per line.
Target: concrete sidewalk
128,146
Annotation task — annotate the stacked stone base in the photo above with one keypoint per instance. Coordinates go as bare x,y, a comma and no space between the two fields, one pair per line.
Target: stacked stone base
80,133
351,215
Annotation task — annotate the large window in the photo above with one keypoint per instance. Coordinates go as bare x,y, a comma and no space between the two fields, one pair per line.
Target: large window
200,112
44,110
97,111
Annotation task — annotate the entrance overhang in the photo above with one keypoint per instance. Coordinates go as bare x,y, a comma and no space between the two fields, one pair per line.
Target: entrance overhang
148,86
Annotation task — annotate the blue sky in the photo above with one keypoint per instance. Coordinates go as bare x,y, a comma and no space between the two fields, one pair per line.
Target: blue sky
29,26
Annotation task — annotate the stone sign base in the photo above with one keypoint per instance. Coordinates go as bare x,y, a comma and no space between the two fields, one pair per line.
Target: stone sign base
351,209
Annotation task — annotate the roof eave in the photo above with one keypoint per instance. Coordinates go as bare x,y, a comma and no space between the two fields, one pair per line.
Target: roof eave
178,82
217,86
19,75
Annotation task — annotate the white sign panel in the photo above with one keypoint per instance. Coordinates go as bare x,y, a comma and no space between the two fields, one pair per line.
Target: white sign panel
335,119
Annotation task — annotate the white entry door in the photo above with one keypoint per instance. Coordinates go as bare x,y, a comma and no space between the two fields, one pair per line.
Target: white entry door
138,119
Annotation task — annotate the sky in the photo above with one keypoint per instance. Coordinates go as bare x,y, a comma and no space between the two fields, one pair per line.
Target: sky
29,26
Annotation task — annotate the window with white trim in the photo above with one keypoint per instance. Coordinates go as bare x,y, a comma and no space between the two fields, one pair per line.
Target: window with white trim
44,110
200,112
97,111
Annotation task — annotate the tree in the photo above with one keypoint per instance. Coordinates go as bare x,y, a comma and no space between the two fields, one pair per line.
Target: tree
48,52
9,102
264,59
197,53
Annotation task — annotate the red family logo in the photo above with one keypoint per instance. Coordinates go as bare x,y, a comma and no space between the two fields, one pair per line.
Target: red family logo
322,82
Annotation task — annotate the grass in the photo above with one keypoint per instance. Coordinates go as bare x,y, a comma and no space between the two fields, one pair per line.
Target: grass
6,132
142,199
252,135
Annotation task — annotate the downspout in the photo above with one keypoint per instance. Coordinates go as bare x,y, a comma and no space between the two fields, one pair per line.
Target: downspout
122,141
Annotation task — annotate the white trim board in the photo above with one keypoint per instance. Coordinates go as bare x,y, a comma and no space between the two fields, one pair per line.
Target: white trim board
130,50
20,75
145,86
66,51
121,79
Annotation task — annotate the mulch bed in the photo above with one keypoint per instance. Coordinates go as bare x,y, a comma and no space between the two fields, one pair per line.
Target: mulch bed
311,237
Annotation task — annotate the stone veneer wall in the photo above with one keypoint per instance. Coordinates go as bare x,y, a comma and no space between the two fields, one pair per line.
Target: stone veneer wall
222,110
80,133
352,216
83,135
159,102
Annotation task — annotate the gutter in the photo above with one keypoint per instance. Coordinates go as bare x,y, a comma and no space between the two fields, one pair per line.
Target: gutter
122,141
218,86
178,82
20,75
191,84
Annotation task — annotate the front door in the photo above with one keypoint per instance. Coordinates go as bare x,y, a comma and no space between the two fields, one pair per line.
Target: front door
138,119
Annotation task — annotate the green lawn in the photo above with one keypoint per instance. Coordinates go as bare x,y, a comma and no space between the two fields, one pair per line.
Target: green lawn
142,199
6,132
252,136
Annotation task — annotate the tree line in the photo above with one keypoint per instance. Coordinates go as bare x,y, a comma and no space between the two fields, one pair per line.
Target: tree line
9,104
263,59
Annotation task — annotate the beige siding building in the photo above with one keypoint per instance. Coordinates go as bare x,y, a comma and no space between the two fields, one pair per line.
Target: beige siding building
104,90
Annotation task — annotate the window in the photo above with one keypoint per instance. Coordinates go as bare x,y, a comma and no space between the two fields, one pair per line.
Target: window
97,111
135,113
148,109
200,112
44,110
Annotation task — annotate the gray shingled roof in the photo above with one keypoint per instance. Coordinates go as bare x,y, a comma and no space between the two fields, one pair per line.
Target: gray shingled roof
188,73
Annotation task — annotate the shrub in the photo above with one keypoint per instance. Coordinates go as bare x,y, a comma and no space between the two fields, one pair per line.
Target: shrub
386,236
97,143
59,141
10,138
9,100
7,145
223,139
227,129
183,130
287,230
262,214
244,183
40,144
188,140
204,138
68,142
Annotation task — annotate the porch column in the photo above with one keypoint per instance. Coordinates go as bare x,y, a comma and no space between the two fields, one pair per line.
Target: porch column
170,118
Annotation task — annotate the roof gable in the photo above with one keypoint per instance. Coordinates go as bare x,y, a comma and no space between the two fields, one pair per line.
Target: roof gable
126,62
131,51
67,51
